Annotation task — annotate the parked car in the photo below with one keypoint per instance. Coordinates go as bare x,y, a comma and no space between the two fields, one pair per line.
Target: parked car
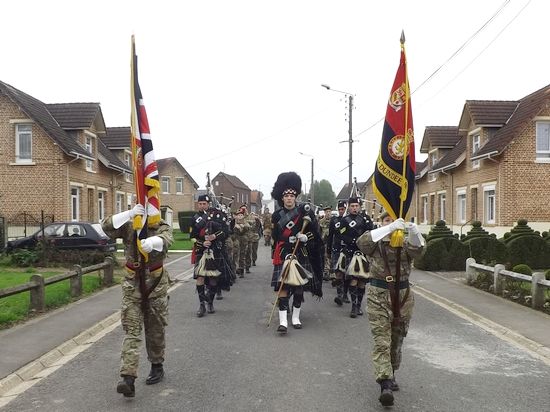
67,235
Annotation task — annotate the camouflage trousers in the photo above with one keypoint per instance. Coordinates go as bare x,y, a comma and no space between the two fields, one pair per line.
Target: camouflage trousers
254,250
388,339
133,320
241,252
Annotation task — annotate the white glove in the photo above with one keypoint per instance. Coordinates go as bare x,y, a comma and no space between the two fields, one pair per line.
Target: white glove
415,237
152,243
120,218
382,232
399,224
302,237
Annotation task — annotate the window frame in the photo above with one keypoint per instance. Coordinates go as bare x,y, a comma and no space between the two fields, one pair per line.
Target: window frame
18,134
442,200
101,194
475,163
487,203
461,209
424,200
75,203
179,180
540,154
163,180
89,145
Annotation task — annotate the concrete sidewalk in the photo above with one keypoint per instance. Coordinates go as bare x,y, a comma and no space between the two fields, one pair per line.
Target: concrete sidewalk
509,320
23,344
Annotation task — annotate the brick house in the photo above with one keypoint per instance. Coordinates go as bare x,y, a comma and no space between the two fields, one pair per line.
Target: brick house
229,186
177,187
52,159
496,169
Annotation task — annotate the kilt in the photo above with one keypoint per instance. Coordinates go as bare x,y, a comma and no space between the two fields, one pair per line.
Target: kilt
277,269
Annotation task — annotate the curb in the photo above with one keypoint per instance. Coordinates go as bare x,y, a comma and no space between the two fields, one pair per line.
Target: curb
534,348
31,373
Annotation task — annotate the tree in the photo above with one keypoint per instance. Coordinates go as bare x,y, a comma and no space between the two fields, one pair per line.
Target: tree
324,194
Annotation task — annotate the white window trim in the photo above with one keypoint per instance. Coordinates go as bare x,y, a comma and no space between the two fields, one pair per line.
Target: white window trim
162,184
101,196
424,211
537,151
475,163
432,177
182,181
459,194
486,188
89,163
77,196
19,161
440,199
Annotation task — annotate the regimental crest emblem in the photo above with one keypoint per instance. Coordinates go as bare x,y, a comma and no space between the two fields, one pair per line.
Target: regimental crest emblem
397,98
396,147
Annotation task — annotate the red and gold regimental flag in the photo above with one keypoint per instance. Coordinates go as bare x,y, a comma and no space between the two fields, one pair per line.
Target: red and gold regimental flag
395,167
146,175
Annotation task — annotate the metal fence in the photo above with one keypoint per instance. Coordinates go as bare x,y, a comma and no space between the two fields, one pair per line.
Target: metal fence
25,224
537,280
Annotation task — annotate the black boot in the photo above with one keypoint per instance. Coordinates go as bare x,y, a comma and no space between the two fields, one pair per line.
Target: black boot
353,294
202,300
345,299
210,302
219,295
202,310
360,294
240,273
155,375
339,296
386,394
126,386
247,270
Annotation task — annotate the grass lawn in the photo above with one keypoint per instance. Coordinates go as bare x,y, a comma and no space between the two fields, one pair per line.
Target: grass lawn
15,308
181,242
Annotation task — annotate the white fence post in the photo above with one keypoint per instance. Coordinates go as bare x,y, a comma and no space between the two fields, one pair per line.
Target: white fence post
470,271
497,282
537,291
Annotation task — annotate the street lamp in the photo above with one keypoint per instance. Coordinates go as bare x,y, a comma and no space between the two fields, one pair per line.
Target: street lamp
350,135
311,193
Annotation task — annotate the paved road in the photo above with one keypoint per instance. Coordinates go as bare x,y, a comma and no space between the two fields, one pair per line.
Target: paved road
230,361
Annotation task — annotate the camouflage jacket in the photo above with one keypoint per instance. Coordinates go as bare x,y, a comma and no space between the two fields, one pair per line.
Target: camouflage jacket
127,233
373,253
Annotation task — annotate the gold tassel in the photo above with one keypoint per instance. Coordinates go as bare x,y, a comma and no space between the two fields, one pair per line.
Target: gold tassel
397,238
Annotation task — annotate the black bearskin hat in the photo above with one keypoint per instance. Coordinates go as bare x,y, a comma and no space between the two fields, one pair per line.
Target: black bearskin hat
354,199
287,181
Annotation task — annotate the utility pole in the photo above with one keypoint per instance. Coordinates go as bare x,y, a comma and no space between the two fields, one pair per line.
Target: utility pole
312,185
350,141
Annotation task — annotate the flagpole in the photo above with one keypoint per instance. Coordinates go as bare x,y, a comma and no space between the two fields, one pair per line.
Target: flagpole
404,190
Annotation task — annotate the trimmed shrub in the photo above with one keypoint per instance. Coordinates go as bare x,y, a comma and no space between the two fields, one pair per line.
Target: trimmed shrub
547,274
439,231
487,250
446,253
523,269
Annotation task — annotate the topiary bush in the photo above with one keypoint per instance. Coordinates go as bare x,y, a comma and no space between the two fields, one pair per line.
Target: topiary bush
440,230
487,250
547,274
523,269
446,253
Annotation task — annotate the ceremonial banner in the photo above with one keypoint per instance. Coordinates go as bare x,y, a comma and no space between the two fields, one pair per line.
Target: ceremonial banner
146,175
395,169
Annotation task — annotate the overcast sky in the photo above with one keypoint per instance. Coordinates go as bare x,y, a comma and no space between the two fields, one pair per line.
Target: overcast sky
235,86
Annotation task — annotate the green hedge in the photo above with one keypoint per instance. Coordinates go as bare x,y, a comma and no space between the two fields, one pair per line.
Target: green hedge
446,253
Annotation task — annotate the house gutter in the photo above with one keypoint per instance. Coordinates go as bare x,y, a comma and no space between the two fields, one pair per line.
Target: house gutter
486,155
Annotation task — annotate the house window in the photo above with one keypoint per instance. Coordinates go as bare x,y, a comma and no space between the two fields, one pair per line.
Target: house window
75,204
433,158
461,207
127,161
119,202
489,204
217,183
432,177
89,147
101,205
442,203
165,183
425,209
543,140
128,202
179,185
23,143
476,144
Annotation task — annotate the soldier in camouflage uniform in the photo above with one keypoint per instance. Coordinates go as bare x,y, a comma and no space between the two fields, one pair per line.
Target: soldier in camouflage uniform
250,237
388,334
240,241
153,314
256,233
266,223
324,224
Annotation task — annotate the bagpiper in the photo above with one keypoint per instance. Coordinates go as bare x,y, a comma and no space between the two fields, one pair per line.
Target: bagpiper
352,261
297,250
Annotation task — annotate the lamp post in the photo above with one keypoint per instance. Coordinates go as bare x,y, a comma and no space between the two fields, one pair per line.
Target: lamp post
350,134
311,191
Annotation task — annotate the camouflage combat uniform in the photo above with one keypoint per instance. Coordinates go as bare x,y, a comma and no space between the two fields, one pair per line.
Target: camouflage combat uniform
266,223
240,244
388,338
324,224
255,234
156,313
